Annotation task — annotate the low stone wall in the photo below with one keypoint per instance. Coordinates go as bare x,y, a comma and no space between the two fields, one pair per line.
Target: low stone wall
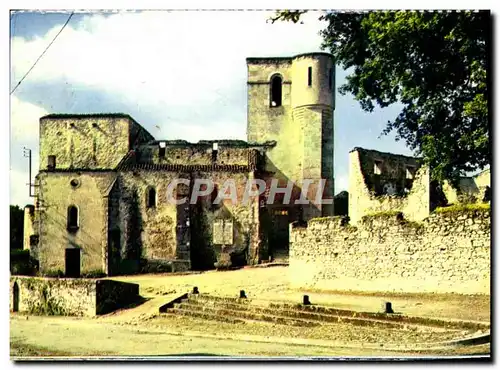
111,295
449,252
69,297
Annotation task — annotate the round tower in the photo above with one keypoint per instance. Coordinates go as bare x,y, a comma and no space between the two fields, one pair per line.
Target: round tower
312,104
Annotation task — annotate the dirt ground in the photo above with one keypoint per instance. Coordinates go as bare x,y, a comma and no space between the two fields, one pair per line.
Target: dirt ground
140,331
271,284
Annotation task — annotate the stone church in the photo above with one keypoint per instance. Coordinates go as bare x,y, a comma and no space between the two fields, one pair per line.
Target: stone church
101,206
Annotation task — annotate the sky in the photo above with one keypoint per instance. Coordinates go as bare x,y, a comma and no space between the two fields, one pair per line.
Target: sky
180,74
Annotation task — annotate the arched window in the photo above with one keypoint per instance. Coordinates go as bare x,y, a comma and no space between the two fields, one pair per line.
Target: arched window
73,218
151,198
276,91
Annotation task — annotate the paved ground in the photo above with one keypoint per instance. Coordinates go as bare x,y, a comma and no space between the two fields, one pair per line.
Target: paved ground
140,331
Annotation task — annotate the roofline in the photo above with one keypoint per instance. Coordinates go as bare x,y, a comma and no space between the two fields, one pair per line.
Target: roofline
88,115
221,142
260,59
358,149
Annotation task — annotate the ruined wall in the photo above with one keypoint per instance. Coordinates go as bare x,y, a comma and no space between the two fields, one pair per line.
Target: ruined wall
87,191
397,183
244,240
147,233
87,141
476,189
47,296
180,152
69,297
449,252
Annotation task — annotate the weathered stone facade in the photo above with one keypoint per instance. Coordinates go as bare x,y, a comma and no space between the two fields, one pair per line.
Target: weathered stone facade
387,182
101,192
447,252
69,297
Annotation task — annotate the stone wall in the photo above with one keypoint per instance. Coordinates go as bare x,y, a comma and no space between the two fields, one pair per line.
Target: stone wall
86,190
69,297
111,294
381,182
447,252
53,296
88,141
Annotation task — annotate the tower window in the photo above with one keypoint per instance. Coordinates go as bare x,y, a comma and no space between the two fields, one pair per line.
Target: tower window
309,76
276,91
51,164
330,78
72,218
151,198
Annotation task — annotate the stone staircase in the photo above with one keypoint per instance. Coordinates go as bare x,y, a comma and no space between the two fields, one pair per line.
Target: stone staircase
241,310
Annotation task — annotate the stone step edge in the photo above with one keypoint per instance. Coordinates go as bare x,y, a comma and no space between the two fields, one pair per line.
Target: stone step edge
394,318
271,319
330,319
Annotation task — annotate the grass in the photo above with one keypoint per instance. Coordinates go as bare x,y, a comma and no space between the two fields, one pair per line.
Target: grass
464,208
385,214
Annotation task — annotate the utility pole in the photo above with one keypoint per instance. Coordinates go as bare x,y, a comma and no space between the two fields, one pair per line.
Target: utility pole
27,153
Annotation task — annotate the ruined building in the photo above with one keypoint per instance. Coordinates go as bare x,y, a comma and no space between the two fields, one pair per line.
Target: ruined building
386,182
101,192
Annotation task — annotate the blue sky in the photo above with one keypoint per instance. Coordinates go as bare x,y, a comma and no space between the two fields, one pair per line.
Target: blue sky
179,74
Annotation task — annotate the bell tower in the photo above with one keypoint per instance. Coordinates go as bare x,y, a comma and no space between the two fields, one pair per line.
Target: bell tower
291,100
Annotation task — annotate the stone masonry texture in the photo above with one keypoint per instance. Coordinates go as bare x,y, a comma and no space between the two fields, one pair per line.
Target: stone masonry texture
448,252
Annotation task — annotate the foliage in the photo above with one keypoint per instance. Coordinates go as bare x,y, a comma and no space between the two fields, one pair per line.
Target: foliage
464,208
385,214
16,227
434,64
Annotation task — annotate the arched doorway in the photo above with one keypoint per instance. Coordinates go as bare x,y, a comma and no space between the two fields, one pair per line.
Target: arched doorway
15,297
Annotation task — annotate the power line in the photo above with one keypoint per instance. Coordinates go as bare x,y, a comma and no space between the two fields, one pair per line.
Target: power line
41,55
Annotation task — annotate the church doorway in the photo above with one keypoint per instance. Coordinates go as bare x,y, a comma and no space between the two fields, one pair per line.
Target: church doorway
72,262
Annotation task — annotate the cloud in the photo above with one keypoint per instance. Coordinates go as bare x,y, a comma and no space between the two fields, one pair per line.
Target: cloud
24,129
183,59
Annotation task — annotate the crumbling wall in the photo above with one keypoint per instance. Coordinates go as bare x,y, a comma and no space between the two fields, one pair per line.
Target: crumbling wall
70,297
449,252
401,184
53,296
476,189
148,234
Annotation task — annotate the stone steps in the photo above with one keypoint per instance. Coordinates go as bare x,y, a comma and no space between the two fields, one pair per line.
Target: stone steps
260,312
283,316
226,315
231,309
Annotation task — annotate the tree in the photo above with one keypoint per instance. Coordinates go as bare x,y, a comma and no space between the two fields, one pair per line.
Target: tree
16,227
432,63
